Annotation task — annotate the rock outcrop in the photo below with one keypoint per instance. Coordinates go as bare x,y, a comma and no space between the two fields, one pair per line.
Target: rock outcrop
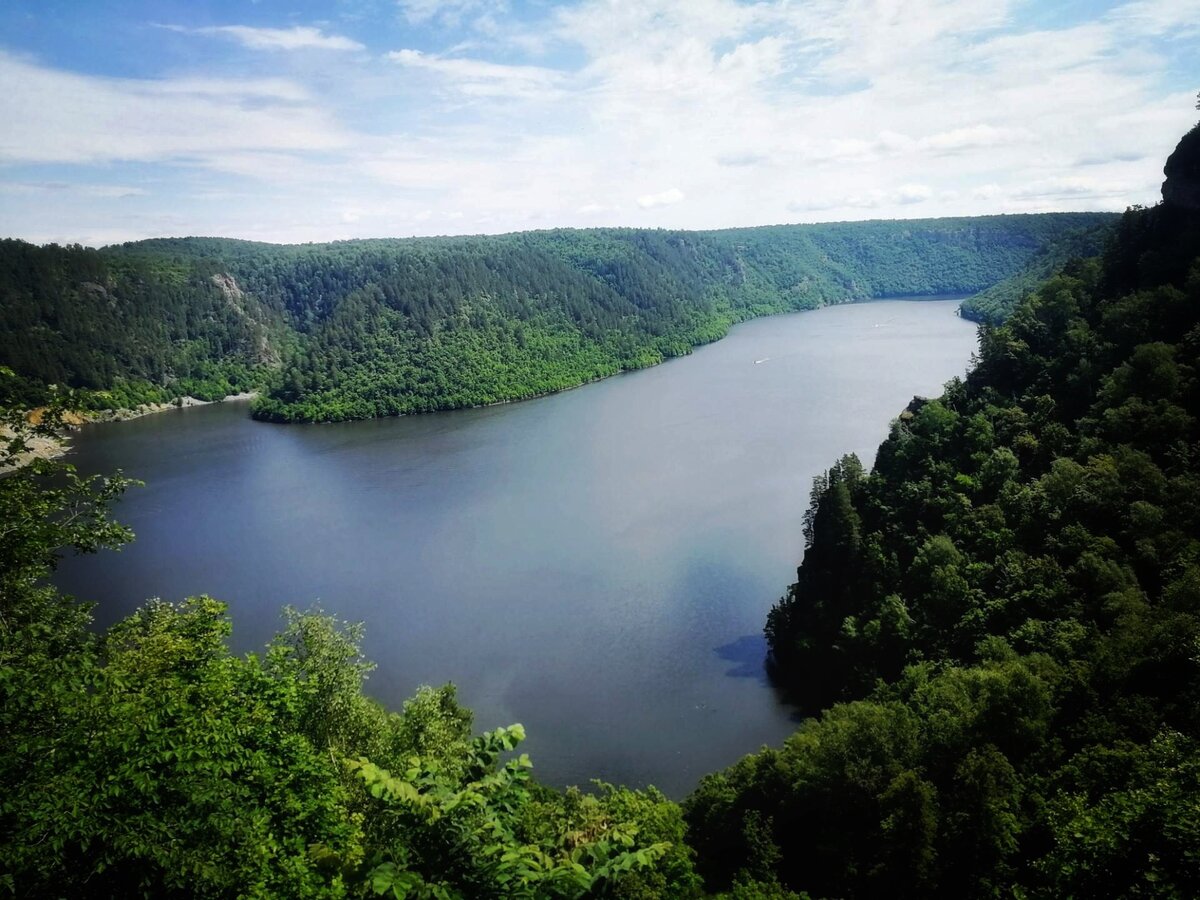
1182,187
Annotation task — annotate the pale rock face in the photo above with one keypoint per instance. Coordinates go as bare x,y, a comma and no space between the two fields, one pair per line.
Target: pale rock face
1182,187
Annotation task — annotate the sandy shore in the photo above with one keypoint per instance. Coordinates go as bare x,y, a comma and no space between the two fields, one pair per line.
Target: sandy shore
39,447
149,409
47,447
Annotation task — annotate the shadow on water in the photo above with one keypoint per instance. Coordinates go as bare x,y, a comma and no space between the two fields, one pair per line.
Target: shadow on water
749,656
751,659
664,504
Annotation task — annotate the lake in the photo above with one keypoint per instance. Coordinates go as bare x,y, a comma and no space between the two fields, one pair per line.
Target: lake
597,564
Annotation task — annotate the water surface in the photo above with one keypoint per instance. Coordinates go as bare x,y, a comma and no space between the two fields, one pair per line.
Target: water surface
597,564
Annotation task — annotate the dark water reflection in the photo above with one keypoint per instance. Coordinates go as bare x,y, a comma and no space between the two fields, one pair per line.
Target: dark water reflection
747,656
597,565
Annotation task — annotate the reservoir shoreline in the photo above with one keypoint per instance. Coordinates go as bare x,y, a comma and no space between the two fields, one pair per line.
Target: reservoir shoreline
597,566
106,417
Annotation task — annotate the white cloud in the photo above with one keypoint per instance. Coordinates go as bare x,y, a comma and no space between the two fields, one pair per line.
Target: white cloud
1070,187
69,118
904,195
974,137
1035,52
987,192
299,37
875,40
911,193
101,191
481,78
755,111
1166,18
662,198
451,13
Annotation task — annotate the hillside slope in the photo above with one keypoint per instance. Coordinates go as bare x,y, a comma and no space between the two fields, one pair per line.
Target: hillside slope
359,329
997,627
995,304
127,330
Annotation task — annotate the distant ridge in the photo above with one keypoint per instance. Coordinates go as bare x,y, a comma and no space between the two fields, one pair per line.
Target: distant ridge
364,328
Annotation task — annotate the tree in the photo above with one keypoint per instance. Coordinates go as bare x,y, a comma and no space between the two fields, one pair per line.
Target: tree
151,761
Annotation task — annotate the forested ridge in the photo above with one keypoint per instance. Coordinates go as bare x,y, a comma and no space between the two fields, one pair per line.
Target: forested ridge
995,633
995,304
996,630
125,330
358,329
151,761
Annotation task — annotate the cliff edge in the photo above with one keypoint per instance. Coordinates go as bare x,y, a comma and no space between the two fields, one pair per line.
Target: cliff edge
1182,187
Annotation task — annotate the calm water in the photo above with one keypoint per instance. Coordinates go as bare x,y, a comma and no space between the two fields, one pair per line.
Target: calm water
597,564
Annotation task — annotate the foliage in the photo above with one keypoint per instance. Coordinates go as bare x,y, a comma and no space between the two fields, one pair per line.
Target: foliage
167,772
996,303
471,835
126,331
358,329
151,761
995,629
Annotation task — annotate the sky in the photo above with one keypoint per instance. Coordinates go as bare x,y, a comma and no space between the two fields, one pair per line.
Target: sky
313,121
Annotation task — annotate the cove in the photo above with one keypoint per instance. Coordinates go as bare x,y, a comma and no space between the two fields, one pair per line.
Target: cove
597,564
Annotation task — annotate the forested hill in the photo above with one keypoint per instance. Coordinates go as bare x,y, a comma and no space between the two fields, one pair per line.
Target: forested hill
137,328
997,627
995,304
359,329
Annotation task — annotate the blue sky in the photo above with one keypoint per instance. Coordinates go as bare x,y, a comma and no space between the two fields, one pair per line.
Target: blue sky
299,121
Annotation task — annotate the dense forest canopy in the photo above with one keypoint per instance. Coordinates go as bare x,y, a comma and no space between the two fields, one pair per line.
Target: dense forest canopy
151,761
995,634
995,304
996,628
358,329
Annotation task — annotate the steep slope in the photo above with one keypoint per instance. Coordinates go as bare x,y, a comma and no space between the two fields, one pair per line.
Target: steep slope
368,328
996,303
127,330
997,626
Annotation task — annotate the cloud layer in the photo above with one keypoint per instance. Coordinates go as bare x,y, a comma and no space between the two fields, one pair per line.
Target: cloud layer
476,115
298,37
